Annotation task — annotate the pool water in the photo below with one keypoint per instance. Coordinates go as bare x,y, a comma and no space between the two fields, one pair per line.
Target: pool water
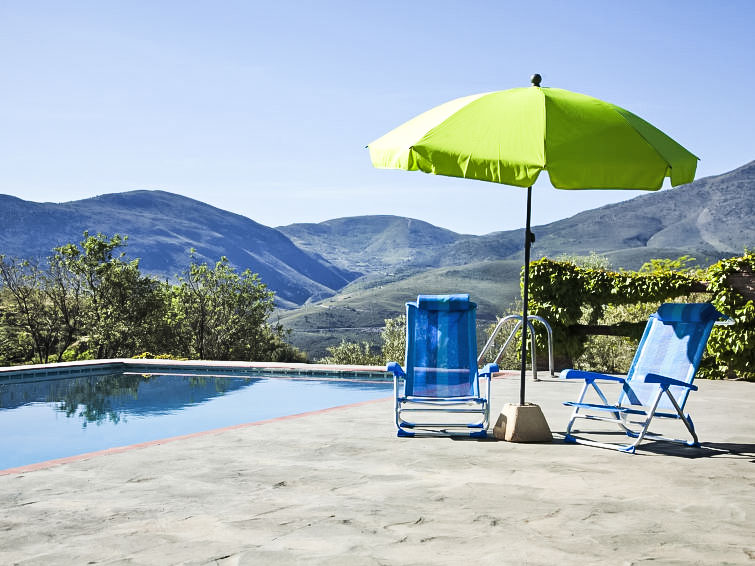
45,420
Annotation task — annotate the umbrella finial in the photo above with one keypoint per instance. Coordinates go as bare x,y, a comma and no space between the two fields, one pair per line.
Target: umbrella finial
535,80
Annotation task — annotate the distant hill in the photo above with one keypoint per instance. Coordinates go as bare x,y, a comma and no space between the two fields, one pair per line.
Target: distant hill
352,273
162,227
358,311
374,243
710,218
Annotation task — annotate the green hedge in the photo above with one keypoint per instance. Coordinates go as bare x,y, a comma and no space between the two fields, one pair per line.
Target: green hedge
573,300
731,349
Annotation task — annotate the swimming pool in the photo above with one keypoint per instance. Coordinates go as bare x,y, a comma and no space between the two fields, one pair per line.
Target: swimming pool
47,419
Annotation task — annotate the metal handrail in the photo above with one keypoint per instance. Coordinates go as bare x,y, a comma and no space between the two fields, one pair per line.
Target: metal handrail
533,349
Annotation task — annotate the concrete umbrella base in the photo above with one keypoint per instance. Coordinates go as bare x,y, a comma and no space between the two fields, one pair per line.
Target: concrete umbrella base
522,423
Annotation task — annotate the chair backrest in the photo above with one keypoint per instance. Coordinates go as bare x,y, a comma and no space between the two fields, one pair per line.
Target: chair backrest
441,347
672,345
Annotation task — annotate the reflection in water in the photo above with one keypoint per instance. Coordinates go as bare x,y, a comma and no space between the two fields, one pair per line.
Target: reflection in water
43,420
112,397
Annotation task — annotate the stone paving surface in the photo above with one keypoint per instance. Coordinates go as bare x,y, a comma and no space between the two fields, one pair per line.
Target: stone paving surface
339,487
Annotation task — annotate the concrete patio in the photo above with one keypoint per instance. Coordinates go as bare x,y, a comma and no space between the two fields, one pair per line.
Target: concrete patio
338,487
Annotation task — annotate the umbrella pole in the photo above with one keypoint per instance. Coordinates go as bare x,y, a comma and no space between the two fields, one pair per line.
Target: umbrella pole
522,422
529,237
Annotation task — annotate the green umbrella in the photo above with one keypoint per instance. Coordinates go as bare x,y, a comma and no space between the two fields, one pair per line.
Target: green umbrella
510,136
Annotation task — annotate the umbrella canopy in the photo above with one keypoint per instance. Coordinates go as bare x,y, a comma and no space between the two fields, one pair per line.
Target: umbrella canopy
510,136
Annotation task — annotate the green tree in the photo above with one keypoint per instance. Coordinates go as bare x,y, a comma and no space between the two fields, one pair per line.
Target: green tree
88,301
393,337
682,264
65,292
225,313
29,309
16,345
592,261
121,307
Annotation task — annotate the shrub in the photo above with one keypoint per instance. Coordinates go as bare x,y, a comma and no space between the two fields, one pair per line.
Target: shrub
393,338
351,353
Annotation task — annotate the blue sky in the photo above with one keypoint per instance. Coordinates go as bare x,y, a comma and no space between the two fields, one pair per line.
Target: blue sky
264,108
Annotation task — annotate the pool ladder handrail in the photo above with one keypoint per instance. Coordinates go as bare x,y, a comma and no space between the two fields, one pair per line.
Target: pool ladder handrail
533,349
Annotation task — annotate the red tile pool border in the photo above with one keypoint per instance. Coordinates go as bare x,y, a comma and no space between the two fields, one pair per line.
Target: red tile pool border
119,449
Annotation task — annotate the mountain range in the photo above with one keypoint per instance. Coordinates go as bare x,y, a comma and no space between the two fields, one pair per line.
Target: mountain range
344,276
711,217
162,228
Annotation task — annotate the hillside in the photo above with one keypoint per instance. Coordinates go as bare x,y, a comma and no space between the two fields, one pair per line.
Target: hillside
162,228
709,219
711,216
374,243
358,312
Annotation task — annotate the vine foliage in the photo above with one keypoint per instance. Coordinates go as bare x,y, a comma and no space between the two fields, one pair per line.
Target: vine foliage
731,349
573,300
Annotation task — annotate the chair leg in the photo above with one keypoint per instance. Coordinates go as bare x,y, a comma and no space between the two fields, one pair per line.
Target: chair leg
691,428
568,437
646,424
599,391
644,432
410,428
686,419
575,415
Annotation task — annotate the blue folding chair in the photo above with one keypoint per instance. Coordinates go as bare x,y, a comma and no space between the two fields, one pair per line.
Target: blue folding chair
441,370
659,379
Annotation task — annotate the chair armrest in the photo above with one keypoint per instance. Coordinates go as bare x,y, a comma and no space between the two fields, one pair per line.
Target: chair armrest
667,381
589,375
488,370
396,369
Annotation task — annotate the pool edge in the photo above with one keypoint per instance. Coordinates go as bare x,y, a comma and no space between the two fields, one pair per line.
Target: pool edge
83,368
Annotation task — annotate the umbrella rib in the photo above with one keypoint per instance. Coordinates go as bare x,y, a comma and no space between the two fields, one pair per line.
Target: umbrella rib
545,130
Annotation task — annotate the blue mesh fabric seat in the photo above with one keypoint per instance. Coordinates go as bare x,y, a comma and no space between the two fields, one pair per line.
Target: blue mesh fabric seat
441,375
659,379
